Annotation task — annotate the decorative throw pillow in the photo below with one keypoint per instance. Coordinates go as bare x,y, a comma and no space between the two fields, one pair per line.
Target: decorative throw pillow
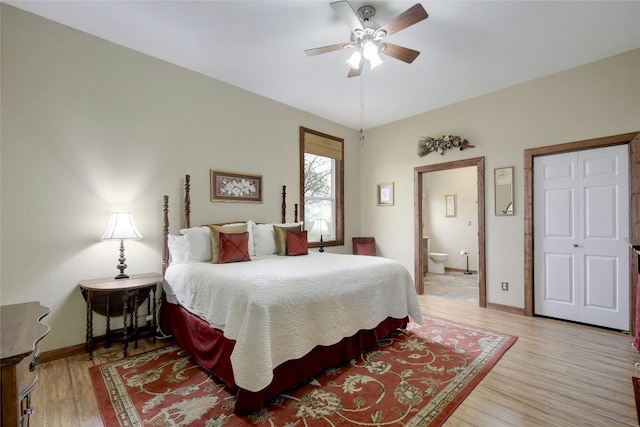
281,236
297,243
234,247
215,237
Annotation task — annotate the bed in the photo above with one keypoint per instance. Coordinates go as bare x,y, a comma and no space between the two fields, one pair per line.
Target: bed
264,325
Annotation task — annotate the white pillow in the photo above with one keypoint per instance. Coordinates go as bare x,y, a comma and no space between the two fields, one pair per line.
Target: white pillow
264,237
197,244
252,248
177,248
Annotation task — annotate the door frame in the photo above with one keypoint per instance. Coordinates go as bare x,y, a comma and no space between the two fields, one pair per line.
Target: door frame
633,140
418,185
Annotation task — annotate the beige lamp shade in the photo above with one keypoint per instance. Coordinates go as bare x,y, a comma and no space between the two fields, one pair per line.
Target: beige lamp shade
121,227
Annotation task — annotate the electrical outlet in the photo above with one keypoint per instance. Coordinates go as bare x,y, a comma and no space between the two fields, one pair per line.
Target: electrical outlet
505,286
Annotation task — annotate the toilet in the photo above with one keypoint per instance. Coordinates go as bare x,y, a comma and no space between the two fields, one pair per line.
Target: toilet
436,260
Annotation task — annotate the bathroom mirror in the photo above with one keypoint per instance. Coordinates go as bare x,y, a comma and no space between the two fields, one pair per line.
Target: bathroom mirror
503,183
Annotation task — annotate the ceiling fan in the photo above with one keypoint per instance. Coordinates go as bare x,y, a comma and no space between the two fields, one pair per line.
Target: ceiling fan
368,38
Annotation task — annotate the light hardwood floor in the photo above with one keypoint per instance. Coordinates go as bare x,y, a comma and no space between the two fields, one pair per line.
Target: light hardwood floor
556,374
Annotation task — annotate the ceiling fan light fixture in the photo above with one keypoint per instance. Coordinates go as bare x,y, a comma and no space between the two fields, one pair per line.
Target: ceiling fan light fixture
375,60
354,60
370,52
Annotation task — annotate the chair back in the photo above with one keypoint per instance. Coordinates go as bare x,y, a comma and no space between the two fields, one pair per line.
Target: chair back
364,246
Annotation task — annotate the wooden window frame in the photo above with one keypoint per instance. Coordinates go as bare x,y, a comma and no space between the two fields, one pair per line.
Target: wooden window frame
338,239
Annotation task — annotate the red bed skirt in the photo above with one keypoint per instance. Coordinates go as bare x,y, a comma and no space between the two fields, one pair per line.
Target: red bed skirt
211,350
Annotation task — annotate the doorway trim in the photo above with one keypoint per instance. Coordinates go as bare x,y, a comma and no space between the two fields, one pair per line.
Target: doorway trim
633,139
418,185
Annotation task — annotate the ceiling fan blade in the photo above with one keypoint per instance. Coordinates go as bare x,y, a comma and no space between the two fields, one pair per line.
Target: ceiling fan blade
345,12
325,49
402,53
355,72
413,15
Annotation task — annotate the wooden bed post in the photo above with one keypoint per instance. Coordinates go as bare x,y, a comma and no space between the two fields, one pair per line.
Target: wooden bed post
165,235
295,213
187,202
284,204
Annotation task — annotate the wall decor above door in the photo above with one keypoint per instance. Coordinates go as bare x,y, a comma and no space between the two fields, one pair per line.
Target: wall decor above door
441,144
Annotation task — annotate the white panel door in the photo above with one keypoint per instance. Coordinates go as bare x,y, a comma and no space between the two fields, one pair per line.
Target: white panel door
581,221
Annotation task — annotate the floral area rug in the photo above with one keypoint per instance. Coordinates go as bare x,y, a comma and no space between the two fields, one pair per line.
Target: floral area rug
415,377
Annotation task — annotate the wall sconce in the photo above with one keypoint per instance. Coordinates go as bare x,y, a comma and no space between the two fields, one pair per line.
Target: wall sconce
121,227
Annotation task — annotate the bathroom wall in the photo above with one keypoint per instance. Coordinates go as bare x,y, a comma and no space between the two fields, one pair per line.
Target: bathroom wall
452,234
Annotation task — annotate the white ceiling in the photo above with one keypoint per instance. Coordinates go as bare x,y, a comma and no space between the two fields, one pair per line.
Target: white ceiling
468,48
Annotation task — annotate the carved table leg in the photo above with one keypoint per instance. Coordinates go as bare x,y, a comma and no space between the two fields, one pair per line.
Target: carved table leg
108,323
154,322
89,337
125,327
134,317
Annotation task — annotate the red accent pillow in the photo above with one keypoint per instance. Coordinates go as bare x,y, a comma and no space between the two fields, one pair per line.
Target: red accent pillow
297,243
234,247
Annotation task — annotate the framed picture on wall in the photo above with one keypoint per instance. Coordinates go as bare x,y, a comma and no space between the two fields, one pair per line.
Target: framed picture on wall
385,194
235,187
450,205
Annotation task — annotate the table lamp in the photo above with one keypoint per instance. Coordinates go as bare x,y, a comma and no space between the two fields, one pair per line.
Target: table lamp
320,227
121,227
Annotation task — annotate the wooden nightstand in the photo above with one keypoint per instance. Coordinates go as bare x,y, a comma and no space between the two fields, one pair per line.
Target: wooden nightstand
128,293
21,332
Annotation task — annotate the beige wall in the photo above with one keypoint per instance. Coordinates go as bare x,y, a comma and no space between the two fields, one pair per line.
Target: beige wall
451,235
595,100
89,127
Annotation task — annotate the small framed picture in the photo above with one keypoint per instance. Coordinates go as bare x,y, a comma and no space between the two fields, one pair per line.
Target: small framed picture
235,187
385,194
450,204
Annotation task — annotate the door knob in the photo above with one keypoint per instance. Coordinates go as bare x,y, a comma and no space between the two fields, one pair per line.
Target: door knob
575,245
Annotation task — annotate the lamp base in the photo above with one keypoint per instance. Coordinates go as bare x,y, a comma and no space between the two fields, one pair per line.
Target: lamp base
122,266
321,245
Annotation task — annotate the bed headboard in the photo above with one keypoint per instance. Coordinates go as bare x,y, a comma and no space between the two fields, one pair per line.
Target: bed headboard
187,217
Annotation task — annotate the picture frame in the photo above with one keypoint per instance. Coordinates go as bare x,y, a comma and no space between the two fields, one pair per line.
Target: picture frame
235,187
450,205
385,194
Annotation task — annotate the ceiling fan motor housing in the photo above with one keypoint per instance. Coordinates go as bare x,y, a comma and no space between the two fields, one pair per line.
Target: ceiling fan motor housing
366,13
369,31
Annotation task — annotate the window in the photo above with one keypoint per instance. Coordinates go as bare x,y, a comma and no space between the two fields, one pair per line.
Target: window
322,186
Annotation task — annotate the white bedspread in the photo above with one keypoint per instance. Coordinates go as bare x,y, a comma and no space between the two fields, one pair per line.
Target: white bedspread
279,308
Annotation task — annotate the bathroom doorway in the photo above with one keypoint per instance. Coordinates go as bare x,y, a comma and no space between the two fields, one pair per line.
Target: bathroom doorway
450,234
450,204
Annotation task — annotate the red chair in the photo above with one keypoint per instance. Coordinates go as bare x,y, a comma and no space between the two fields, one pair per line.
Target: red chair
364,246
